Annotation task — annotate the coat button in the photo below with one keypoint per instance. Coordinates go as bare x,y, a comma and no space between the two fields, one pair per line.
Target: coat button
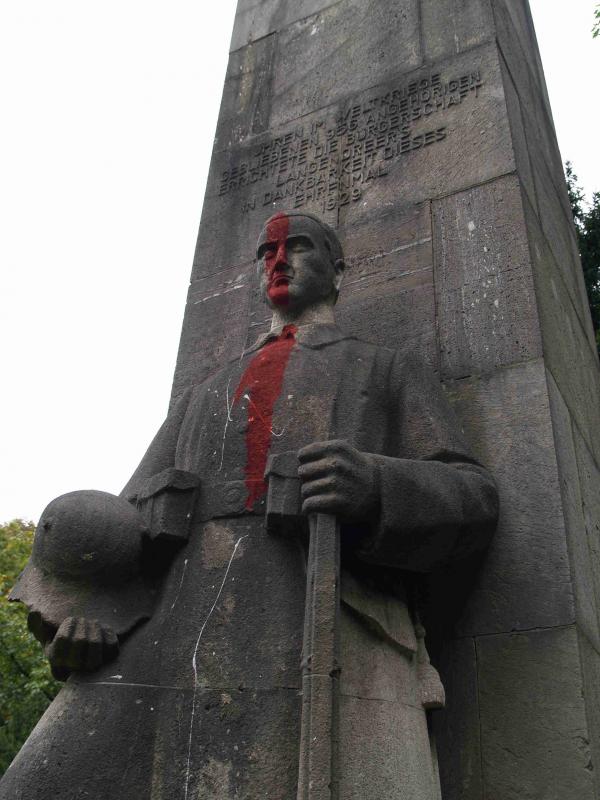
234,493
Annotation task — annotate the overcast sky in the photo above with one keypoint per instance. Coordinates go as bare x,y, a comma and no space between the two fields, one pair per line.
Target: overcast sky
109,111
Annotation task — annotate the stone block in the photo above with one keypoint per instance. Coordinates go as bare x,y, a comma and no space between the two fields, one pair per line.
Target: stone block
525,581
465,144
557,226
485,299
215,324
569,354
589,484
256,19
519,139
450,27
590,665
566,274
516,38
534,734
387,295
456,728
246,102
581,556
344,49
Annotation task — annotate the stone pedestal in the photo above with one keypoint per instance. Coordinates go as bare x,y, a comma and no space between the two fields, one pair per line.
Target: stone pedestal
421,130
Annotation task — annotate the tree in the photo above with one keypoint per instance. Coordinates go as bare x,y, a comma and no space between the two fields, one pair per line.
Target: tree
587,224
27,687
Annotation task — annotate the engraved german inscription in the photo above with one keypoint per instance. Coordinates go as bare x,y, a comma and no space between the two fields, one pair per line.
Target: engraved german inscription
328,163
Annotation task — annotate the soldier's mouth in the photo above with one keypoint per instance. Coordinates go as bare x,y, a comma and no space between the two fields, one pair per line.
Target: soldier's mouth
280,280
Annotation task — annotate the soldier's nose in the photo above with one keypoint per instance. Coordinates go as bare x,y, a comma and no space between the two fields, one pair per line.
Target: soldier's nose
281,257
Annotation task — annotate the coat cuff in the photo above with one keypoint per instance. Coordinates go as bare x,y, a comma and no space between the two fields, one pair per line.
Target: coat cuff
430,513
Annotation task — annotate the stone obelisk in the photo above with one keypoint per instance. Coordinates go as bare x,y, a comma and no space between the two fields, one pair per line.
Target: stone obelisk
421,130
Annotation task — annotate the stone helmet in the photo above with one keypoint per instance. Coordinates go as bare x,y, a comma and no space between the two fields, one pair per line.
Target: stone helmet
86,562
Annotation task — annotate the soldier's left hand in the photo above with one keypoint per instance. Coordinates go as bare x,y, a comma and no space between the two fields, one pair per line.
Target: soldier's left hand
338,479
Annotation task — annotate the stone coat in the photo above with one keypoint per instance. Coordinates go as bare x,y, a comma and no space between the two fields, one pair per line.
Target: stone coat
204,700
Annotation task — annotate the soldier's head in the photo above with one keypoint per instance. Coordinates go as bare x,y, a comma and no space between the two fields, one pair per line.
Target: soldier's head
300,262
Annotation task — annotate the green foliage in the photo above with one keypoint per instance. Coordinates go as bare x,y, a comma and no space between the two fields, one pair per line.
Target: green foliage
26,685
587,223
596,28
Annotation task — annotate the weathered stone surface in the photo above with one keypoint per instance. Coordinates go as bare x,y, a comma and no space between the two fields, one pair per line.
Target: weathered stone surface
386,756
506,419
485,299
456,728
519,140
392,250
516,38
590,665
475,124
567,348
212,332
581,556
116,726
518,46
102,722
232,219
557,227
589,484
568,275
450,27
534,733
344,170
344,49
256,19
246,101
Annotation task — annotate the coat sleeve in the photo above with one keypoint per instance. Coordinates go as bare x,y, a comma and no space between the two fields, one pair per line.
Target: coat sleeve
437,504
161,453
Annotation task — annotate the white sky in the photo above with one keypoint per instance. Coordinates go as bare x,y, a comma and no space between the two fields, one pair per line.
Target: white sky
109,111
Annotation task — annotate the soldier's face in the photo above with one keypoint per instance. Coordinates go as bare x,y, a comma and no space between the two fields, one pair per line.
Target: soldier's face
296,267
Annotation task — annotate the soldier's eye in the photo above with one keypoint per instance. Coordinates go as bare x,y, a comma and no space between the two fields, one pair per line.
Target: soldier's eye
265,250
299,244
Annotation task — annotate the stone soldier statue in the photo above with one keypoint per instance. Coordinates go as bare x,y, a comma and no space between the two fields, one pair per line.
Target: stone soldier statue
200,697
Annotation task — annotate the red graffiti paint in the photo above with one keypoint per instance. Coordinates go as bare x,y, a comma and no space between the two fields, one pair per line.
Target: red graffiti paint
261,383
276,259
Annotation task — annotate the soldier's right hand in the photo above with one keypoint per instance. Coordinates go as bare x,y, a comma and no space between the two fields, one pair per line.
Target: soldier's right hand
80,645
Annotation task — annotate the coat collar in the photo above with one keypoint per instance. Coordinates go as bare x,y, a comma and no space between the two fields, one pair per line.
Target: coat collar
314,336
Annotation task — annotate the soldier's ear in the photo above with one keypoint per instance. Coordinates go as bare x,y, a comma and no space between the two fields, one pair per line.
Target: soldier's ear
339,266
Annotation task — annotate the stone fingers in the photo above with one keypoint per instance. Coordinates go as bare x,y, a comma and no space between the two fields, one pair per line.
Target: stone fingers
81,644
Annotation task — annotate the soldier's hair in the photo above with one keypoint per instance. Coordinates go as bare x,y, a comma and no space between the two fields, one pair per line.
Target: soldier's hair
331,239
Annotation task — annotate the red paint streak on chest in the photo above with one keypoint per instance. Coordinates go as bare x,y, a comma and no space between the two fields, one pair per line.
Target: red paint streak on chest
276,259
261,384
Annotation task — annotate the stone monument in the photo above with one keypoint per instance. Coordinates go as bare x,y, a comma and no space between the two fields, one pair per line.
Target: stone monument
420,130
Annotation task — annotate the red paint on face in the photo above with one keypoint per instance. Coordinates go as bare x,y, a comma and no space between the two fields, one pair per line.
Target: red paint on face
276,260
261,383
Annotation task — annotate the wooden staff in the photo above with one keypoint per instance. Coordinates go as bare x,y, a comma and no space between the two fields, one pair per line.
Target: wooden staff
318,779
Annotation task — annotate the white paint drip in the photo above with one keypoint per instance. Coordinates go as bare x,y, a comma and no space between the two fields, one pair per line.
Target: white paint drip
218,294
173,604
262,419
227,421
195,667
